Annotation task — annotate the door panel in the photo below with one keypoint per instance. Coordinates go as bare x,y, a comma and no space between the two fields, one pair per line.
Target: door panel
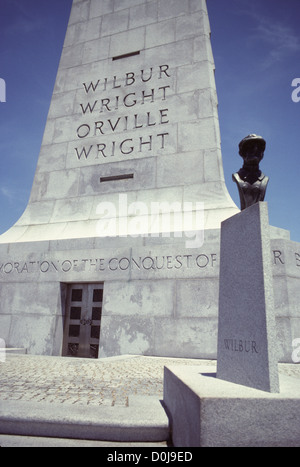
83,320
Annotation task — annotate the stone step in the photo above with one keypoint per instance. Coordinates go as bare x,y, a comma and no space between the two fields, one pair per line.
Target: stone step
12,441
144,420
15,351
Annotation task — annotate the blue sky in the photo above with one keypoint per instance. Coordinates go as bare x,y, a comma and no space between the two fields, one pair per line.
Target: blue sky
256,46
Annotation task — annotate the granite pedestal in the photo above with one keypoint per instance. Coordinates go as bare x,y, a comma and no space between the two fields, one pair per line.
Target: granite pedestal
208,412
247,339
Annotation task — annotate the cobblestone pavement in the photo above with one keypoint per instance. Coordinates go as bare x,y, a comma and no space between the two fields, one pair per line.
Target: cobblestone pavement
91,382
82,381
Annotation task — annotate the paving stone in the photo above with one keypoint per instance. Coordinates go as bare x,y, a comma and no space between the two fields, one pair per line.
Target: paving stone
109,381
85,382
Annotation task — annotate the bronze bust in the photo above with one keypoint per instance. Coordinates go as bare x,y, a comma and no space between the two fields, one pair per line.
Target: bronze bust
251,182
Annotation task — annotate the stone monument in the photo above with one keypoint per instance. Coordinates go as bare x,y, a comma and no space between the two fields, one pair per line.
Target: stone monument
245,403
247,341
246,298
118,248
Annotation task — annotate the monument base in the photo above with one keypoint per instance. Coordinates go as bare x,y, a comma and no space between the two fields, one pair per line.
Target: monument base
160,297
207,412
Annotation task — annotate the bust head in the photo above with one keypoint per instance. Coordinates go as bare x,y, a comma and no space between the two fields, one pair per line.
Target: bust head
251,149
251,182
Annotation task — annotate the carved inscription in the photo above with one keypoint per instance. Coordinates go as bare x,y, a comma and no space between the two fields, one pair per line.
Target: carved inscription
118,106
241,345
279,258
138,263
